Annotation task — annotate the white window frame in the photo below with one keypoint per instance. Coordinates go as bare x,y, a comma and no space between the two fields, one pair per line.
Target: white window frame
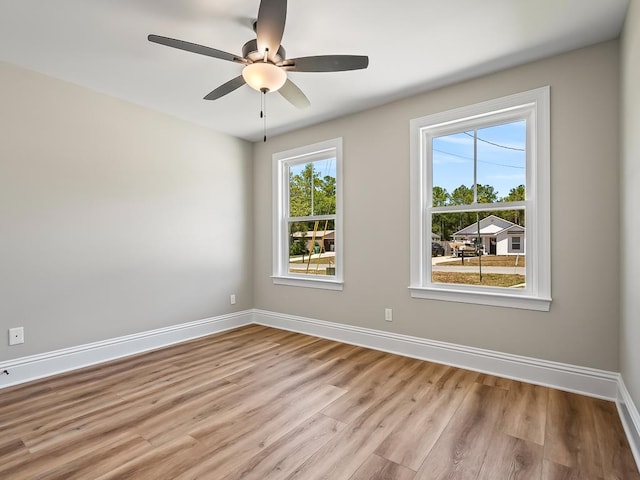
534,105
280,168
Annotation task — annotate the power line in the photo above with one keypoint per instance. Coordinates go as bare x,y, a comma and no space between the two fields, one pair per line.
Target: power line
496,144
480,161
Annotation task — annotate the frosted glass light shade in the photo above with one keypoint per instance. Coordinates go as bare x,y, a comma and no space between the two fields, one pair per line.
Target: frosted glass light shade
264,75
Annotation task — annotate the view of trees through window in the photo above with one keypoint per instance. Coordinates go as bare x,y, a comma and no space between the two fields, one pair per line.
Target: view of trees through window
445,224
478,194
312,211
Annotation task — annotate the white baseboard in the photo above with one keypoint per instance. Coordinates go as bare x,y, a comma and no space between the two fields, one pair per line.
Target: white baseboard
630,419
572,378
33,367
587,381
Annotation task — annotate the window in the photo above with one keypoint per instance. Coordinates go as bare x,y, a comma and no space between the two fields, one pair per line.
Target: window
480,183
515,243
307,245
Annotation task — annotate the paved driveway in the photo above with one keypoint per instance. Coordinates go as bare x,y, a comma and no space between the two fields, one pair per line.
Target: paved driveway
435,261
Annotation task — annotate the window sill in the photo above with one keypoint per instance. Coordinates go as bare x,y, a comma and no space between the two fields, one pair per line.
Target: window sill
482,298
309,283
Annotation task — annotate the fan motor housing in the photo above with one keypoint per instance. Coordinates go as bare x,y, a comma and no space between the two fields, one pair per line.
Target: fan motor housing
250,51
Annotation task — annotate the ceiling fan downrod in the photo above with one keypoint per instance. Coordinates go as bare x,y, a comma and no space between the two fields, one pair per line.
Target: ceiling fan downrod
263,113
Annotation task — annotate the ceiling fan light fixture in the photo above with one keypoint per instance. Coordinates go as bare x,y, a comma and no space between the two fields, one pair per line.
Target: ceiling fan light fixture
264,76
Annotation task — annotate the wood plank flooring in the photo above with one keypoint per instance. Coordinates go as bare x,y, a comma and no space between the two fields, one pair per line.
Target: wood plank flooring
258,403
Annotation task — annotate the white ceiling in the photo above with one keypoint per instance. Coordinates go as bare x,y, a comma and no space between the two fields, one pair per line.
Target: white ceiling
413,46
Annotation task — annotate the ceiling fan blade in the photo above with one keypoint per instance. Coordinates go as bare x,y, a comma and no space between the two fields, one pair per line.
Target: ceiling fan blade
225,88
272,16
326,63
195,48
294,95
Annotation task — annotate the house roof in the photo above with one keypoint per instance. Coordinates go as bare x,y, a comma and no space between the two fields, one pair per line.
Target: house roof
515,229
489,226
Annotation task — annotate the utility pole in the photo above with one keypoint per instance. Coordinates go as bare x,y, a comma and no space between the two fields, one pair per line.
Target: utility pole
475,200
313,189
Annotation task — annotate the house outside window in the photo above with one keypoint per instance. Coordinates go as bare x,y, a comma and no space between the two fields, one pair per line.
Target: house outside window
480,181
307,225
495,237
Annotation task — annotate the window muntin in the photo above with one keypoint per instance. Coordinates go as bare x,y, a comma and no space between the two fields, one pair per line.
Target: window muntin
307,218
481,166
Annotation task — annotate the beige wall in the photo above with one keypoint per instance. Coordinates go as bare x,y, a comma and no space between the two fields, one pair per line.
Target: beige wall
114,219
630,178
582,326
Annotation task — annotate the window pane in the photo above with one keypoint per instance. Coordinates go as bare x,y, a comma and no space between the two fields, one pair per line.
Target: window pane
312,188
453,169
493,255
501,162
312,248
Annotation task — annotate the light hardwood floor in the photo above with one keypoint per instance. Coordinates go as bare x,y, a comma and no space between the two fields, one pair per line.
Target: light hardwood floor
258,403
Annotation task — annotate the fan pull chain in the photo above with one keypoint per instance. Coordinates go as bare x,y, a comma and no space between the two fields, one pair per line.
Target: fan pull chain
263,114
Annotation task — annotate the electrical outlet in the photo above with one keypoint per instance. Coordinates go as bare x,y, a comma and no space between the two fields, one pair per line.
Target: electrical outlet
232,298
16,335
388,314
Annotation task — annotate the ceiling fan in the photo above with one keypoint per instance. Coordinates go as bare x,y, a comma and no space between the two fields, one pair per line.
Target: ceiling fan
264,59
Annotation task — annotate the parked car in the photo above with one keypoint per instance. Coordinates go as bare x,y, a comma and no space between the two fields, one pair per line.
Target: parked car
465,249
436,249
